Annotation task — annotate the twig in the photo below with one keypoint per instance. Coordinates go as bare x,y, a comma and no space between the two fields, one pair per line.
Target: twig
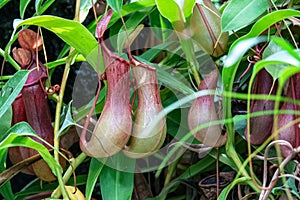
266,191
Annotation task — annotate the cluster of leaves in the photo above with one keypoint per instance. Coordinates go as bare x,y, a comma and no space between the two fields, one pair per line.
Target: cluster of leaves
248,24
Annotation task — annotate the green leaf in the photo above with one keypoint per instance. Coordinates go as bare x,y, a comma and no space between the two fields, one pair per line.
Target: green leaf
133,7
187,7
38,4
285,57
94,171
11,90
176,81
67,30
41,6
283,44
170,10
239,49
126,10
240,13
287,73
232,63
116,5
23,6
67,121
266,21
152,53
5,190
161,26
175,11
274,70
5,120
3,3
280,65
240,124
131,23
226,190
290,183
18,135
85,6
202,166
116,184
282,60
271,49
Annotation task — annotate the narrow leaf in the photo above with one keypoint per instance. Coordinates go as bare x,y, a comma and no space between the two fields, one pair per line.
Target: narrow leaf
207,18
162,27
5,120
152,53
187,7
38,4
278,64
131,24
133,7
240,13
116,5
274,47
200,167
18,135
85,6
67,121
290,183
231,63
170,10
117,184
94,171
126,10
11,90
285,45
225,192
176,81
5,190
23,6
3,2
266,21
271,49
285,57
41,6
239,49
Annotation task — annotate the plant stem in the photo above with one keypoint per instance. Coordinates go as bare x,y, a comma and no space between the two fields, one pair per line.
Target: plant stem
57,118
74,163
3,78
230,144
51,65
188,49
60,103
